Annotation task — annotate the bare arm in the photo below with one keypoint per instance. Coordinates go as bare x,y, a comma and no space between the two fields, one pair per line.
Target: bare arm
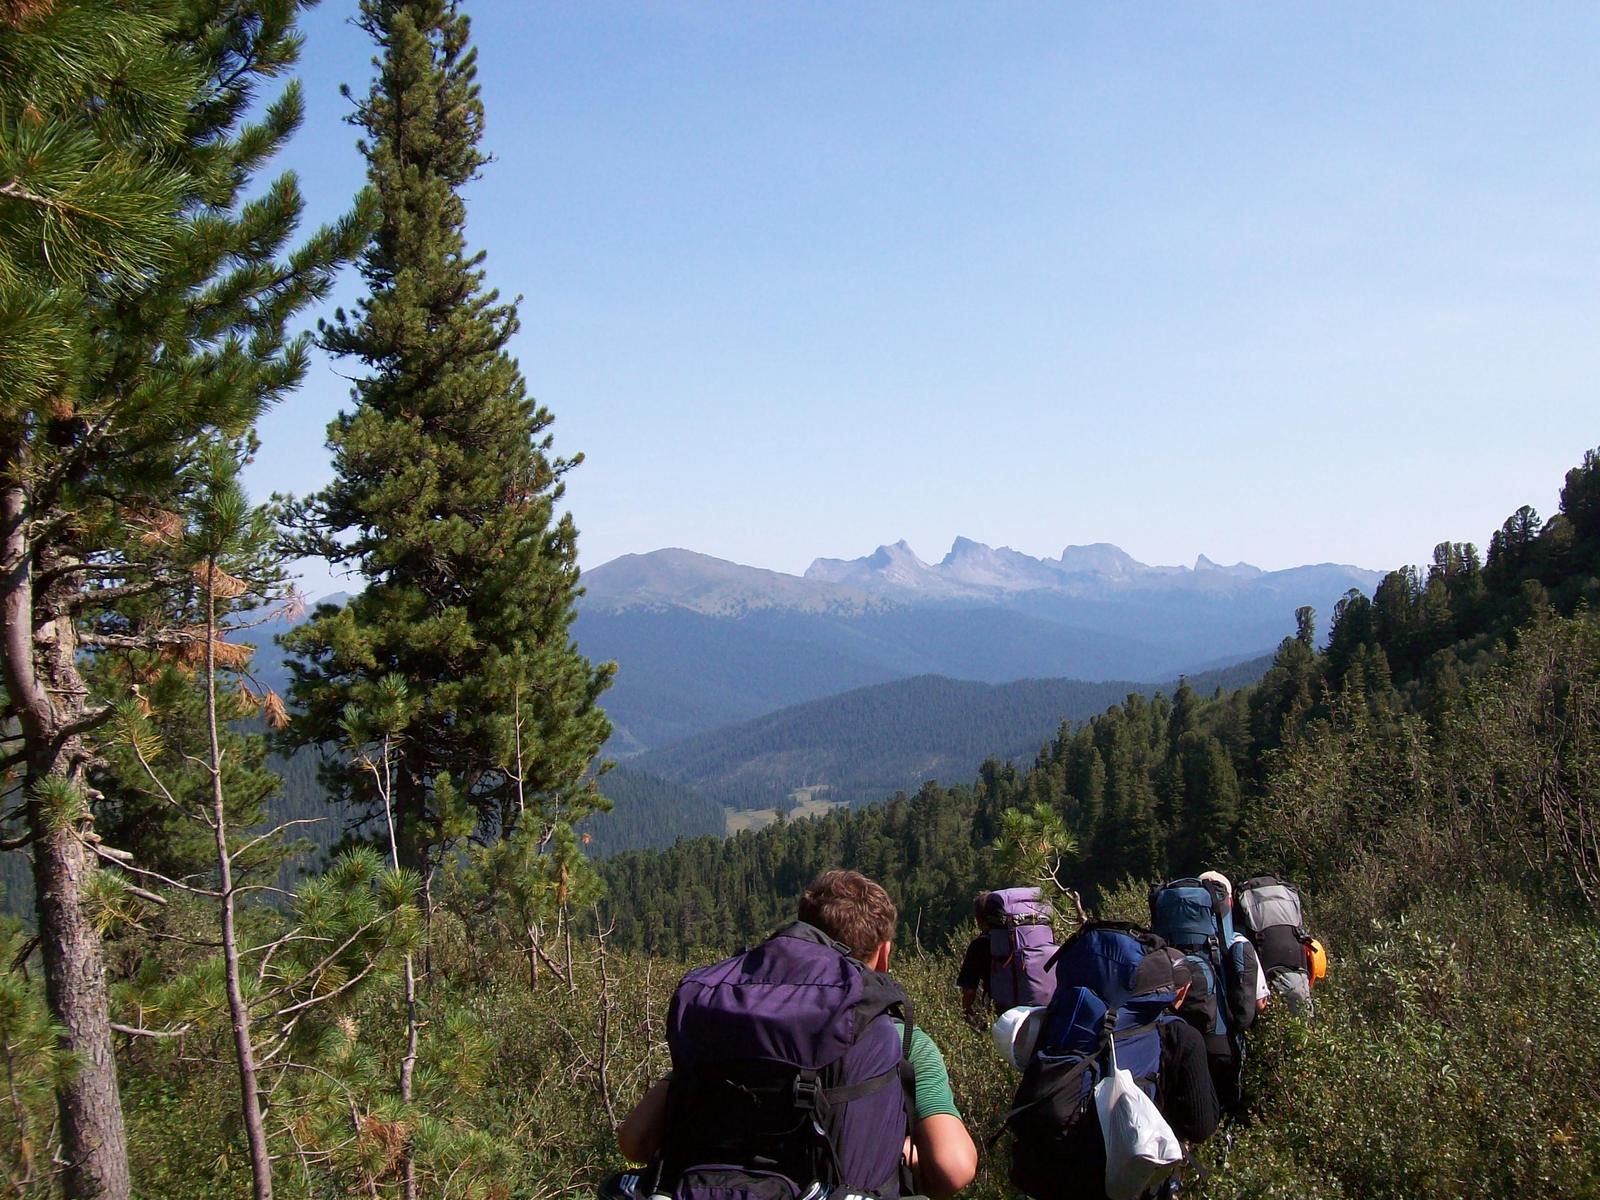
639,1135
946,1160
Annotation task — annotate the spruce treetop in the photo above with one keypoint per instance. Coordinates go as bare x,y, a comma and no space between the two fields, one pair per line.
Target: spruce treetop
445,488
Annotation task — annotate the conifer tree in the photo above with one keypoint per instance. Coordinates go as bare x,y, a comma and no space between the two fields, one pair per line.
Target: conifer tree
226,545
444,495
272,975
91,103
153,303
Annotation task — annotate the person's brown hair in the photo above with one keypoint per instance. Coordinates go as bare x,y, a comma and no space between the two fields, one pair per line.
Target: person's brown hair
851,909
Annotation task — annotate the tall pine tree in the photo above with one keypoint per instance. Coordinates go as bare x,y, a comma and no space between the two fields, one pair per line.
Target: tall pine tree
92,102
444,496
155,299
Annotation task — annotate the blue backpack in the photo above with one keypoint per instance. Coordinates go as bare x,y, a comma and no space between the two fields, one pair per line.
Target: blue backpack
1194,915
789,1077
1113,982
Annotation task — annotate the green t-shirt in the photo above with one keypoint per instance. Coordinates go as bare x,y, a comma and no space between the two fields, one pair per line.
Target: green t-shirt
933,1078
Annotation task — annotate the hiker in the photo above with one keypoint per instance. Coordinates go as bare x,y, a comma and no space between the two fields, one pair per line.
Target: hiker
1117,989
1195,914
1271,915
809,1020
1185,1094
1009,959
973,977
1258,987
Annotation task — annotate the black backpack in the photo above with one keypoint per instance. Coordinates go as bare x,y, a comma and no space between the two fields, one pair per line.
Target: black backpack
1102,994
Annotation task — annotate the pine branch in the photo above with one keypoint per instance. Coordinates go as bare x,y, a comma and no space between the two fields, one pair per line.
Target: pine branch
92,719
322,997
153,640
327,961
190,889
12,190
110,595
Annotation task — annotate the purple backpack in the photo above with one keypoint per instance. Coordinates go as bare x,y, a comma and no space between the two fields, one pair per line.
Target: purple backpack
1021,944
790,1077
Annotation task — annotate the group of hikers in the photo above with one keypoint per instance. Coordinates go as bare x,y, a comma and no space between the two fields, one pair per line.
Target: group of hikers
799,1072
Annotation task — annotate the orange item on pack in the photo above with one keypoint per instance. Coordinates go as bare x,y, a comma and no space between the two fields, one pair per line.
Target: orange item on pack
1317,961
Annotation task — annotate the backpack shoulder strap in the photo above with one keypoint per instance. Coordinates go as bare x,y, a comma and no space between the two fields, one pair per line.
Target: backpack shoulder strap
882,996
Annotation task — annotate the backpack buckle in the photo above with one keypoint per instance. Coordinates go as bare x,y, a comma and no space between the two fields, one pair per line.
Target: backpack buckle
807,1090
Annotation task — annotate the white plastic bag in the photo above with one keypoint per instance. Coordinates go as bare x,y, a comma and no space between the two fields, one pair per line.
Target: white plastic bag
1141,1149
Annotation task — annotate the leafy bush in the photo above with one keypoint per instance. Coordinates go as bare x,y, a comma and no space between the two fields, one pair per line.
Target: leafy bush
1451,1055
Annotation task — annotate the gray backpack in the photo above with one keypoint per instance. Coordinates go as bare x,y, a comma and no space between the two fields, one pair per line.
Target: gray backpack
1272,917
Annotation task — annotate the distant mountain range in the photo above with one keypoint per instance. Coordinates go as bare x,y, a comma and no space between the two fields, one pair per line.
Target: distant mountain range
738,685
973,571
702,642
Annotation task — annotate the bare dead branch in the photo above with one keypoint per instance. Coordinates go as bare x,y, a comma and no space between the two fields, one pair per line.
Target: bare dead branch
272,833
136,1031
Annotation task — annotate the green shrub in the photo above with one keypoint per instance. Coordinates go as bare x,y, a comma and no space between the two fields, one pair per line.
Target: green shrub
1451,1056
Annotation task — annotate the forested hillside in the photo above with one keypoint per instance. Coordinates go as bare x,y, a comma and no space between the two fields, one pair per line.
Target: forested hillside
1157,786
869,743
647,812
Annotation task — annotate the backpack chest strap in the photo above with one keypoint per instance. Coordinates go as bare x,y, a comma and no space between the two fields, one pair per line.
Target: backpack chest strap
845,1092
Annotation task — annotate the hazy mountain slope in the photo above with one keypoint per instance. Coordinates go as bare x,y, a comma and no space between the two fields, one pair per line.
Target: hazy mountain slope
686,579
681,672
868,743
702,642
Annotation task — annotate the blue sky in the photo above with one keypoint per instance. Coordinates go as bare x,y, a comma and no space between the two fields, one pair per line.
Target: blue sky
1276,283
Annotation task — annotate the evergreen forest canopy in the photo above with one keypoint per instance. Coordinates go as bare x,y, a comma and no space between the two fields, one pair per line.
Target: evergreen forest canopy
854,748
459,1004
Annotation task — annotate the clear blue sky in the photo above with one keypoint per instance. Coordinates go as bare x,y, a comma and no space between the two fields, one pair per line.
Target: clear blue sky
1279,283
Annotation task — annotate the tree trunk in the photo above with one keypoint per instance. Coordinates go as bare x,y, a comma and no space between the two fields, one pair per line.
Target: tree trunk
566,928
249,1092
408,1066
93,1139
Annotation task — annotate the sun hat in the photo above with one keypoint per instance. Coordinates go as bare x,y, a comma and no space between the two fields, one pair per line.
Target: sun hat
1016,1032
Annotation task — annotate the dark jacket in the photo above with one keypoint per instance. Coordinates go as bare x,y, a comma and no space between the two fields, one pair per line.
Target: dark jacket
1184,1092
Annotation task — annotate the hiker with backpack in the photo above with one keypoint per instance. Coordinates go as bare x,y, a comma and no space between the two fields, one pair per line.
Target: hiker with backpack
1195,914
799,1073
1272,917
1116,1086
1009,958
972,979
1259,989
